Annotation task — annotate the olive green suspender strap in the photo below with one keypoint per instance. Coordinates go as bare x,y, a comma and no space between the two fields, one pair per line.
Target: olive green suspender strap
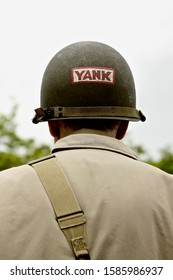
68,213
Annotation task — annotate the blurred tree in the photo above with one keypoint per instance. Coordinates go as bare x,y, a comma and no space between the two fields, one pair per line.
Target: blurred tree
15,150
165,161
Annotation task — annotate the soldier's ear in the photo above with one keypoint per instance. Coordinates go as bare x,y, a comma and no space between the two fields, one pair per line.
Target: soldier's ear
122,128
54,128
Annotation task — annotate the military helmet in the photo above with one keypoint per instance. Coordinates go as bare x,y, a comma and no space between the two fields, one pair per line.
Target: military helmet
88,80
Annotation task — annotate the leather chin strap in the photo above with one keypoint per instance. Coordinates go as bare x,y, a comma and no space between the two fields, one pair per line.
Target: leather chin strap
68,213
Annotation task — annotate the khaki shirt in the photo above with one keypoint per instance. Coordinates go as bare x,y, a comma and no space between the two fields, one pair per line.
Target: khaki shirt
128,204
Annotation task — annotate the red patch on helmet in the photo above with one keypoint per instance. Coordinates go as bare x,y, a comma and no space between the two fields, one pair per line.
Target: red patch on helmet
100,75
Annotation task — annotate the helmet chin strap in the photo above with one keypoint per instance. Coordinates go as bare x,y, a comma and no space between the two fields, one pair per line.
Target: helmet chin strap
93,112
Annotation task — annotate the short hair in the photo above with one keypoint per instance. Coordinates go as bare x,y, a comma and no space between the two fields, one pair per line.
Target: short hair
97,124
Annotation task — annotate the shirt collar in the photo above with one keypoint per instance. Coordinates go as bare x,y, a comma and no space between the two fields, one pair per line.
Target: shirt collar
92,139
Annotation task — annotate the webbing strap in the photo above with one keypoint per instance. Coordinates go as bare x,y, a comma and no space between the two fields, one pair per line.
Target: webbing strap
93,112
69,215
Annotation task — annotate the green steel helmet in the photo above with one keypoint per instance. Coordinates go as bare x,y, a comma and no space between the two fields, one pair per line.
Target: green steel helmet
88,80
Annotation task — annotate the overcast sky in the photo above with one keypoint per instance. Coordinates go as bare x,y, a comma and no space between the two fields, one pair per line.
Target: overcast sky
32,31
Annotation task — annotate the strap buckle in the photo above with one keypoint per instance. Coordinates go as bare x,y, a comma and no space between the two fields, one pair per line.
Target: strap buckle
74,229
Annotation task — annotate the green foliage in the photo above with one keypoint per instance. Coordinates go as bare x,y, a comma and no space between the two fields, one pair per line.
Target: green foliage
165,161
14,150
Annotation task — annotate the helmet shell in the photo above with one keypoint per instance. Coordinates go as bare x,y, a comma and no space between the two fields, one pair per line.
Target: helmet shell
89,77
